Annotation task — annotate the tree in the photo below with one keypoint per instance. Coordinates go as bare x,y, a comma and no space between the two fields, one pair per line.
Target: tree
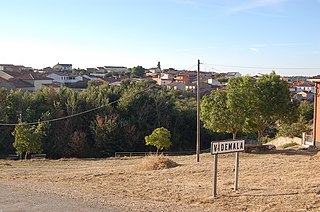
298,120
214,112
159,138
27,138
228,111
78,143
306,110
239,98
270,103
138,71
107,134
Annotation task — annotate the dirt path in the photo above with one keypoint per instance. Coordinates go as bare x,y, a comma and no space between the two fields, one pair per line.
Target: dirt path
15,199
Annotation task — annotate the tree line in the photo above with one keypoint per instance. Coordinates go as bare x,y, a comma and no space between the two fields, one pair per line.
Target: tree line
123,116
101,120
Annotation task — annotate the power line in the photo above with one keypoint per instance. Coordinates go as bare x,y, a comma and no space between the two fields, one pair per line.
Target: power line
257,67
193,66
215,69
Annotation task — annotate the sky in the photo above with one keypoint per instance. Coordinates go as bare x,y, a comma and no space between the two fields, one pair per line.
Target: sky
249,36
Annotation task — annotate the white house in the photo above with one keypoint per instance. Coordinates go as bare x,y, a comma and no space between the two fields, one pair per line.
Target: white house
166,76
64,78
191,87
63,67
37,80
233,74
154,70
116,68
162,82
307,88
213,82
177,86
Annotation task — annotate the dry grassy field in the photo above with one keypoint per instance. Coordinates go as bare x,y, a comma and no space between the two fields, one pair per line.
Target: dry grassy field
275,181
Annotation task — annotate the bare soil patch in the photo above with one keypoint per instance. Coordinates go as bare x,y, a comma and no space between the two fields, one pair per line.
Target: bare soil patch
281,181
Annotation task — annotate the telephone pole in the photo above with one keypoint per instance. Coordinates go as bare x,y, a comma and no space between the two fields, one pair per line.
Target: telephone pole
198,112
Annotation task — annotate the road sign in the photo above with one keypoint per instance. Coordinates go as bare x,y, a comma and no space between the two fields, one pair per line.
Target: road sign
220,147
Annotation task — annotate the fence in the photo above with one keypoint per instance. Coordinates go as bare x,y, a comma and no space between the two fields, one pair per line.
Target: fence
134,154
306,139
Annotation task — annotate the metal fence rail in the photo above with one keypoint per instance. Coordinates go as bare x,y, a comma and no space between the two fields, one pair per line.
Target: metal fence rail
133,154
306,139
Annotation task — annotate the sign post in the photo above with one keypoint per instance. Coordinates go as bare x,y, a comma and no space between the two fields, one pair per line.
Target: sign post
222,147
215,175
236,171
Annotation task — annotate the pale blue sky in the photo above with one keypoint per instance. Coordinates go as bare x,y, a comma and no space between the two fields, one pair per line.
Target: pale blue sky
89,33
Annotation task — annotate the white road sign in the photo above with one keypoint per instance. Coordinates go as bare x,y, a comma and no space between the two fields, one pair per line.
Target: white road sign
220,147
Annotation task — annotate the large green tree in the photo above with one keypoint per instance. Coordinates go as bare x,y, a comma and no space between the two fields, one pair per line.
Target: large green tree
270,103
214,112
239,99
228,111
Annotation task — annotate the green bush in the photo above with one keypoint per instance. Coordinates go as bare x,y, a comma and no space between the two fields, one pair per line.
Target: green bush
293,130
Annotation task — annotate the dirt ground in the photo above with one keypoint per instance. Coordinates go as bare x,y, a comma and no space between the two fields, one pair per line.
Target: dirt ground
274,181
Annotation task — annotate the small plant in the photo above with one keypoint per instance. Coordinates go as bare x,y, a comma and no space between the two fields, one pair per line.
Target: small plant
288,145
159,138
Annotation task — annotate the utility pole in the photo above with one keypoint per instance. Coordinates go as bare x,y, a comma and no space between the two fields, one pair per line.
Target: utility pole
198,112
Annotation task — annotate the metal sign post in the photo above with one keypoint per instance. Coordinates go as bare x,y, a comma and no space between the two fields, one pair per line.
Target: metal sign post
236,171
215,175
222,147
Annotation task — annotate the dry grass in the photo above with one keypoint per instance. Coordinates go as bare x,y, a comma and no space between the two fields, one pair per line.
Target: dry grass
290,145
156,162
316,156
281,181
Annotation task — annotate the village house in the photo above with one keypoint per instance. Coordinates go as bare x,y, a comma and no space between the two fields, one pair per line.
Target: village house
63,67
191,87
15,78
187,77
64,78
16,68
304,96
154,70
115,69
37,80
303,86
177,86
232,75
213,82
163,79
16,84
